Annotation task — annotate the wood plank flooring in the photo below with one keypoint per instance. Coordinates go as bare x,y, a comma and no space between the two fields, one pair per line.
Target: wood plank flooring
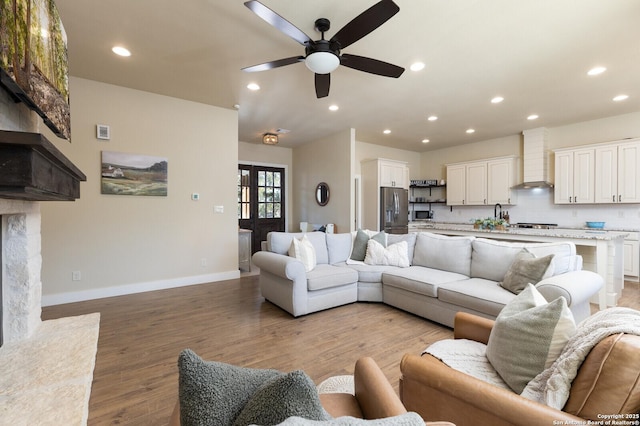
141,335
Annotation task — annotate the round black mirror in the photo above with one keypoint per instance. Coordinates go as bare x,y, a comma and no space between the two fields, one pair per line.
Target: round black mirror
322,193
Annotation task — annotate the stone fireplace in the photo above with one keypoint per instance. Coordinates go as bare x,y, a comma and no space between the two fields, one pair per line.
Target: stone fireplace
46,367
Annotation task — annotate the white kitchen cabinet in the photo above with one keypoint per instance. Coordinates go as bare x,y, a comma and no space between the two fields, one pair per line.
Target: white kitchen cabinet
617,173
632,256
485,182
502,176
393,173
377,173
575,181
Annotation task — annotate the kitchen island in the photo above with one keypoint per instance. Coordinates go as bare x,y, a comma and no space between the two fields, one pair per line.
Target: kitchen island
605,243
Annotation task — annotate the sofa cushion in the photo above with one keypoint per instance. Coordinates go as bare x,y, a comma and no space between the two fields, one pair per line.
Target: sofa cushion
527,337
369,273
525,269
303,250
491,259
392,255
213,392
564,259
327,276
451,254
279,242
339,247
478,294
410,238
359,249
292,394
419,279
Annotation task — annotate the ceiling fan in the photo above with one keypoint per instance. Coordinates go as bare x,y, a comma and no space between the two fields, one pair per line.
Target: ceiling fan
323,56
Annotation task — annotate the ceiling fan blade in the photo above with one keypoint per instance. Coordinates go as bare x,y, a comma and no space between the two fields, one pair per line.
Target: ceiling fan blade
370,65
323,82
274,64
278,21
366,22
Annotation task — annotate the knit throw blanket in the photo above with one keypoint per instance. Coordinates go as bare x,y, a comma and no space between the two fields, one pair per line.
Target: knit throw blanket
552,386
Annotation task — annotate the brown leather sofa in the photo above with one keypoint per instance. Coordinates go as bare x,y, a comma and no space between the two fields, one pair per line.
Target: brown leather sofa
374,397
607,383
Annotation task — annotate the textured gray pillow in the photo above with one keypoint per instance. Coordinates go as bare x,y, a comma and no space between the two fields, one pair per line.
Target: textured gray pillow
527,337
293,394
525,269
214,393
359,250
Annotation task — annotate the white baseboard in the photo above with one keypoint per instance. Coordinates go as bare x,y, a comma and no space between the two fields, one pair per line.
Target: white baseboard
101,293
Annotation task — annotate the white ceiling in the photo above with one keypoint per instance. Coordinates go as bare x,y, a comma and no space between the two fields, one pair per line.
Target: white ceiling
534,53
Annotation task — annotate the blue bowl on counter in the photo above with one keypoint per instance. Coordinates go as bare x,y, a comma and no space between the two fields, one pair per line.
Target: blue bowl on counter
595,225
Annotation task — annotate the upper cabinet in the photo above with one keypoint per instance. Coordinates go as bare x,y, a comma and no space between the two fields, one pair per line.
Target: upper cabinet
603,173
393,173
485,182
574,176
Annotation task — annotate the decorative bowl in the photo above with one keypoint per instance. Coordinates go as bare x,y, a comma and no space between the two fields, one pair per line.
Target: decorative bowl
595,225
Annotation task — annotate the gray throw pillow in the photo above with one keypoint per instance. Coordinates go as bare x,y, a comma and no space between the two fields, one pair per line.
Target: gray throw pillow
525,269
528,336
293,394
359,250
214,393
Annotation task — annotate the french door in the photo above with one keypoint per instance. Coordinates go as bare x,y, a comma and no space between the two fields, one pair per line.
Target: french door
261,206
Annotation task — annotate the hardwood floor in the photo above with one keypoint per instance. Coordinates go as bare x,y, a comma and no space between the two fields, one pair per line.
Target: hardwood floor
141,335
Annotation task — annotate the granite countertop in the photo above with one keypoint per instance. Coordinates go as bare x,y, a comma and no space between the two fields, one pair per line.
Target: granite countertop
580,233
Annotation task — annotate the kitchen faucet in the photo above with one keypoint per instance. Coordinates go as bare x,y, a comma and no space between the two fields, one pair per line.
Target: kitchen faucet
495,210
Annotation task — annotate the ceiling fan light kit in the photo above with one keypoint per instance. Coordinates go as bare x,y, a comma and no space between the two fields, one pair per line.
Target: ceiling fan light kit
323,56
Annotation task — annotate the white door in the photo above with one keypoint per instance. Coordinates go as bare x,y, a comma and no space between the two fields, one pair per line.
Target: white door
606,174
629,173
476,184
456,184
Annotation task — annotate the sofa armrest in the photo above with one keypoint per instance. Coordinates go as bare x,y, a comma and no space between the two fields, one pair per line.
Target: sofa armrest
575,286
374,393
278,264
472,327
438,392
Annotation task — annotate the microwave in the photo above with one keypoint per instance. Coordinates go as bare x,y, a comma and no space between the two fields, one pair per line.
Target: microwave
424,214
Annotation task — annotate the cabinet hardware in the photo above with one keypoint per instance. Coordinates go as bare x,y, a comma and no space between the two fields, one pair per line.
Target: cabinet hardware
614,198
575,199
619,198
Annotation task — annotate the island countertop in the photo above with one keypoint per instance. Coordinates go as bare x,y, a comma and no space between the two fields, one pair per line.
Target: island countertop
519,233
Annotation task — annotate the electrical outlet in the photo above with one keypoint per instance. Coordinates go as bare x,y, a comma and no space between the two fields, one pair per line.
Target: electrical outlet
76,276
620,214
574,213
218,209
203,262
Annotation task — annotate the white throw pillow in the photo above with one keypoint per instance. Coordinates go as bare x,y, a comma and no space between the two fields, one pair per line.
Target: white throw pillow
527,337
303,250
393,255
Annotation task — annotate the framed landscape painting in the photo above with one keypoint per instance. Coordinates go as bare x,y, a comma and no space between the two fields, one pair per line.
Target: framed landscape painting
133,174
34,67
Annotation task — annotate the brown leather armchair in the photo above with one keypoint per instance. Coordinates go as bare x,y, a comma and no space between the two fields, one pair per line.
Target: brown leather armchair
608,382
374,397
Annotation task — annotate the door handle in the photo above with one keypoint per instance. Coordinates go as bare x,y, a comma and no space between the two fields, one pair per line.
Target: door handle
619,198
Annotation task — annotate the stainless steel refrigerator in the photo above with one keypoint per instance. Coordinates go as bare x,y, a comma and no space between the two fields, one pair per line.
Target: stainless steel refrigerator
394,210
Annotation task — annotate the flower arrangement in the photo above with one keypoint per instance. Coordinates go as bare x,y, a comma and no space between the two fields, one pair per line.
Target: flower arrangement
491,224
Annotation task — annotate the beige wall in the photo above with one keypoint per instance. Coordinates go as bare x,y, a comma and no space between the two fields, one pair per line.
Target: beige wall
369,151
124,244
326,160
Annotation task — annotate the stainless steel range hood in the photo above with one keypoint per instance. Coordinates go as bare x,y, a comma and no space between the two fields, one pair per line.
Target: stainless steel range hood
535,159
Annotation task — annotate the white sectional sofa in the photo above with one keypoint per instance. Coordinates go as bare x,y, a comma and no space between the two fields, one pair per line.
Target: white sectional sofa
446,275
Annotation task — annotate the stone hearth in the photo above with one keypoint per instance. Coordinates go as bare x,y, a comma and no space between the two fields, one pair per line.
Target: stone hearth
46,368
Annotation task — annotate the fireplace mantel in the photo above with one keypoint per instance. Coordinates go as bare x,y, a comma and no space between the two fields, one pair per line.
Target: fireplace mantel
33,169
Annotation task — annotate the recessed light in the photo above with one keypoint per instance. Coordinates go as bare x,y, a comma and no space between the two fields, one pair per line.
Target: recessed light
425,140
497,100
386,131
334,107
596,71
471,131
253,86
121,51
532,117
621,98
417,66
432,118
